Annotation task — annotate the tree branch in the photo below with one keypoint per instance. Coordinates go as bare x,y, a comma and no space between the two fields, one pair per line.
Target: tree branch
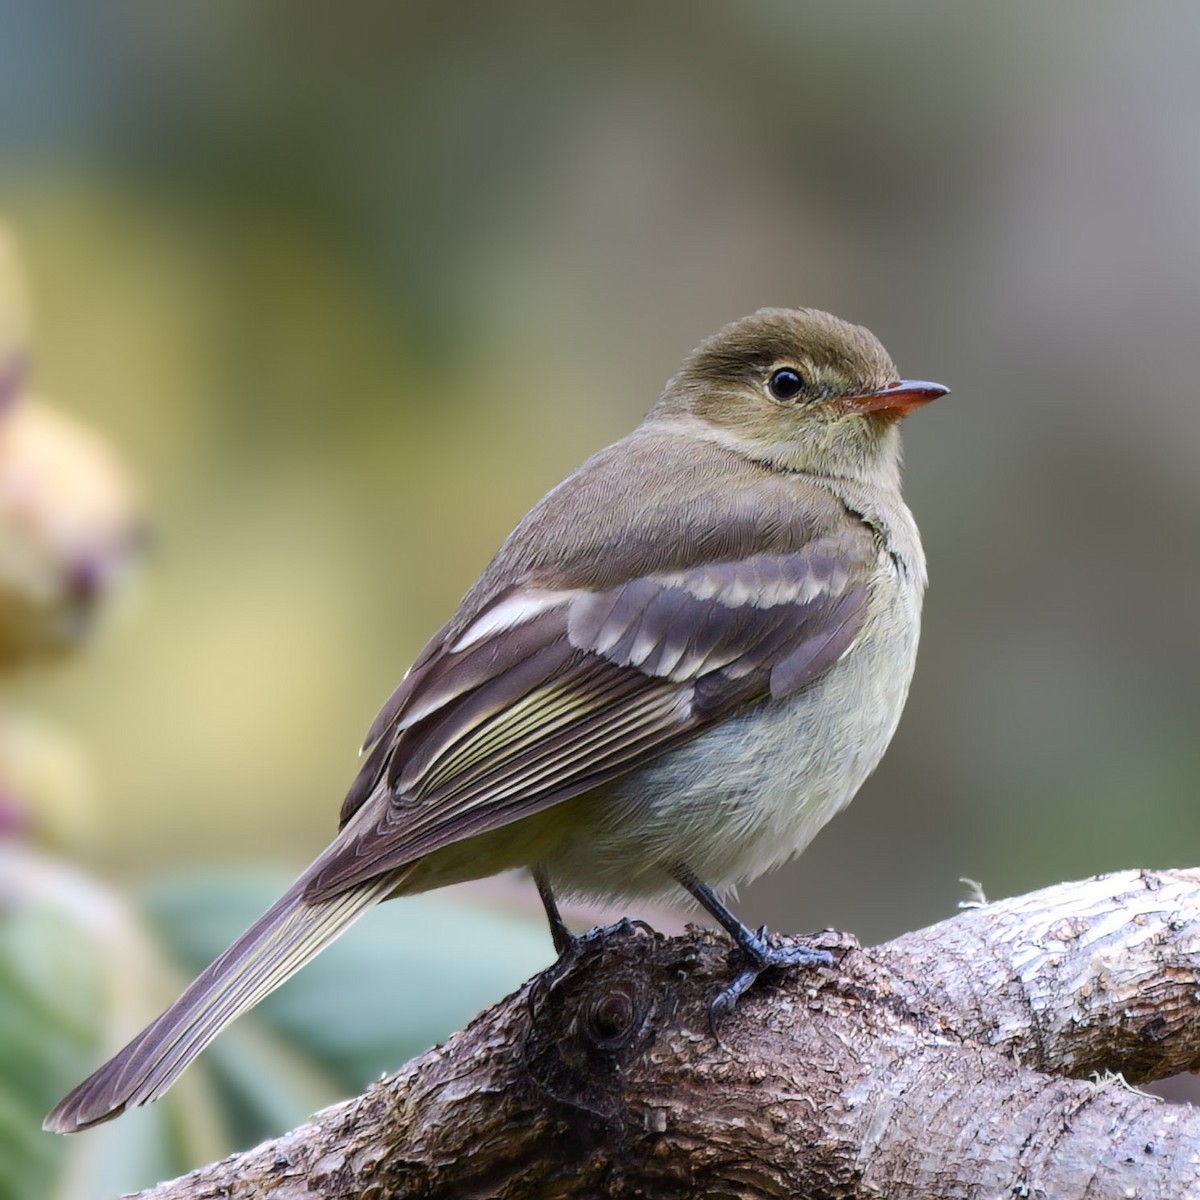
952,1062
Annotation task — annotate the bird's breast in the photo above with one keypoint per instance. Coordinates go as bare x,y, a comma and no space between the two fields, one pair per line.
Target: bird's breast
752,791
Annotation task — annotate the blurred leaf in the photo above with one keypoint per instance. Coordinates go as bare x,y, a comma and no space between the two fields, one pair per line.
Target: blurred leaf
51,1017
78,975
408,975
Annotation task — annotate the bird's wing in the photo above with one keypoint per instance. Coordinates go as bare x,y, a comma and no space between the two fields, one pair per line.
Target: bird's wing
547,693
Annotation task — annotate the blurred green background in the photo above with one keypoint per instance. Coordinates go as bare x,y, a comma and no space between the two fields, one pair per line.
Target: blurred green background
351,287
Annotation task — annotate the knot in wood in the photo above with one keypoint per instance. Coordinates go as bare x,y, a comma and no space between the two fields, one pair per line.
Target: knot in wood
611,1018
594,1015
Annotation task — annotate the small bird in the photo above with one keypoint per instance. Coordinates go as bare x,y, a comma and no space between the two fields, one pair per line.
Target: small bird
684,660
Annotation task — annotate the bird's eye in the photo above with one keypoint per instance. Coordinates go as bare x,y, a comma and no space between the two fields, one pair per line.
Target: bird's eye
786,383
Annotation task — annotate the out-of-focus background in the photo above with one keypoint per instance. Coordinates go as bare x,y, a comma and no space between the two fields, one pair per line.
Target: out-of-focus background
346,291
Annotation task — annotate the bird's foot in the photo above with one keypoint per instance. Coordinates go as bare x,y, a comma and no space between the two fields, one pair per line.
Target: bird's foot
566,944
754,944
758,948
573,944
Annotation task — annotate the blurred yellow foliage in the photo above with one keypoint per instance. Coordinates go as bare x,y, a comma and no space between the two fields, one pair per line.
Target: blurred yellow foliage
45,785
68,529
14,312
69,521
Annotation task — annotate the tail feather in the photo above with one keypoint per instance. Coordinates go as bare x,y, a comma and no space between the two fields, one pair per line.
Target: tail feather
290,933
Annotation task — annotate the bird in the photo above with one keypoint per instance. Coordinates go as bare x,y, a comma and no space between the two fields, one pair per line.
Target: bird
685,659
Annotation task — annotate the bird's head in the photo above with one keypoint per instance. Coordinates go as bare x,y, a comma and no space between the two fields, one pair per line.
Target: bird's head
799,389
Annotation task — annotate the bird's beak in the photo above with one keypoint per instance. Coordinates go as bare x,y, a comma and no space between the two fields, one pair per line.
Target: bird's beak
897,399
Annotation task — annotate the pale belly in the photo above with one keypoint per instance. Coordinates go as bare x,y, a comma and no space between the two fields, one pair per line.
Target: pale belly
744,797
752,792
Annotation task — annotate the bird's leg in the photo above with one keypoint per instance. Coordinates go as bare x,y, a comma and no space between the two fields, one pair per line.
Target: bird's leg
563,938
754,945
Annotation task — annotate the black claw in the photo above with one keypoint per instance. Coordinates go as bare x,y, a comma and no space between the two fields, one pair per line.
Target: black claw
755,945
725,1001
763,956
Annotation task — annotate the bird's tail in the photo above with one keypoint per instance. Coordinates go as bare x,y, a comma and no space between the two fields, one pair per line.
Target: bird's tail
274,948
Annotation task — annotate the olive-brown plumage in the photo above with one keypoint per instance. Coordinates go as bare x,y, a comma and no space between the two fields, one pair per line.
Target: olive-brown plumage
684,660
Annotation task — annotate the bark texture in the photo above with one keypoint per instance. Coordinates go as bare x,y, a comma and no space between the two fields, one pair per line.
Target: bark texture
971,1059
